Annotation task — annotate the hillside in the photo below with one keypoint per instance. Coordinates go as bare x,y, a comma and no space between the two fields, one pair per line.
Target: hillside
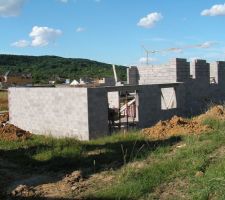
44,68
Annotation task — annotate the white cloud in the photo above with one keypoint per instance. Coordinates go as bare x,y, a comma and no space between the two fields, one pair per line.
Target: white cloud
218,9
42,36
207,44
150,20
80,29
10,8
21,43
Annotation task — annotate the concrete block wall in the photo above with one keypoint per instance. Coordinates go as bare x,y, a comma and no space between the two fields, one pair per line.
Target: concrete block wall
156,74
97,112
132,75
217,76
108,81
150,107
83,112
217,71
61,112
182,69
177,70
200,71
51,111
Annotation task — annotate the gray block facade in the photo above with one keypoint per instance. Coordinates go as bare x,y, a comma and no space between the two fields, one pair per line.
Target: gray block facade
60,112
177,70
177,88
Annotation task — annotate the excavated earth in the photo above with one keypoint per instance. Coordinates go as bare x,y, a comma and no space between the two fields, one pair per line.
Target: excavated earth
10,132
179,126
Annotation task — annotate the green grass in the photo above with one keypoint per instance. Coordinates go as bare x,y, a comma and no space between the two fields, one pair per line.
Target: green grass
162,162
70,153
183,164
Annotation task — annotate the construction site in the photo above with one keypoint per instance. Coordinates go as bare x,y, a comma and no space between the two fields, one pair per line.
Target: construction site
151,94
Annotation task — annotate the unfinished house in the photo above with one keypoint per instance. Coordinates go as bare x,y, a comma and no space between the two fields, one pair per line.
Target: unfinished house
151,94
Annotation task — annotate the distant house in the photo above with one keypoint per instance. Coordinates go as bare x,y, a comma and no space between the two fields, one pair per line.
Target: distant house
16,79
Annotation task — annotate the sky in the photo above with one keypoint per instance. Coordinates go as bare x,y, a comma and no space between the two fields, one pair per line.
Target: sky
114,31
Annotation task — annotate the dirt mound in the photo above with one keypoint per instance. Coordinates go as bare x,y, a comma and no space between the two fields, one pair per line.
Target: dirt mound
175,126
4,118
215,112
23,191
10,132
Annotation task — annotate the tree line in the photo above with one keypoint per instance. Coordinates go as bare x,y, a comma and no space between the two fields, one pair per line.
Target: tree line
45,68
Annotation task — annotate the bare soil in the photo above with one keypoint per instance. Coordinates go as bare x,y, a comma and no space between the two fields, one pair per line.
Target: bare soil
10,132
174,127
72,185
179,126
215,112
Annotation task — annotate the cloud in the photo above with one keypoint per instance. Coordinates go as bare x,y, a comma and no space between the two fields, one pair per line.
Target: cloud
21,43
42,36
218,9
10,8
207,44
150,20
80,29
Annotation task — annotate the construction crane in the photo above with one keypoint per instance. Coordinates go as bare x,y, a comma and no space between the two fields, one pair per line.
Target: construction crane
174,49
148,52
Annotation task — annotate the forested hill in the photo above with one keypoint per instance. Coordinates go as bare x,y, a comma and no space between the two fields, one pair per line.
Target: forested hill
44,68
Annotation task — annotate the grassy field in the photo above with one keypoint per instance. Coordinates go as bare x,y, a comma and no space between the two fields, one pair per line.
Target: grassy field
3,100
187,167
